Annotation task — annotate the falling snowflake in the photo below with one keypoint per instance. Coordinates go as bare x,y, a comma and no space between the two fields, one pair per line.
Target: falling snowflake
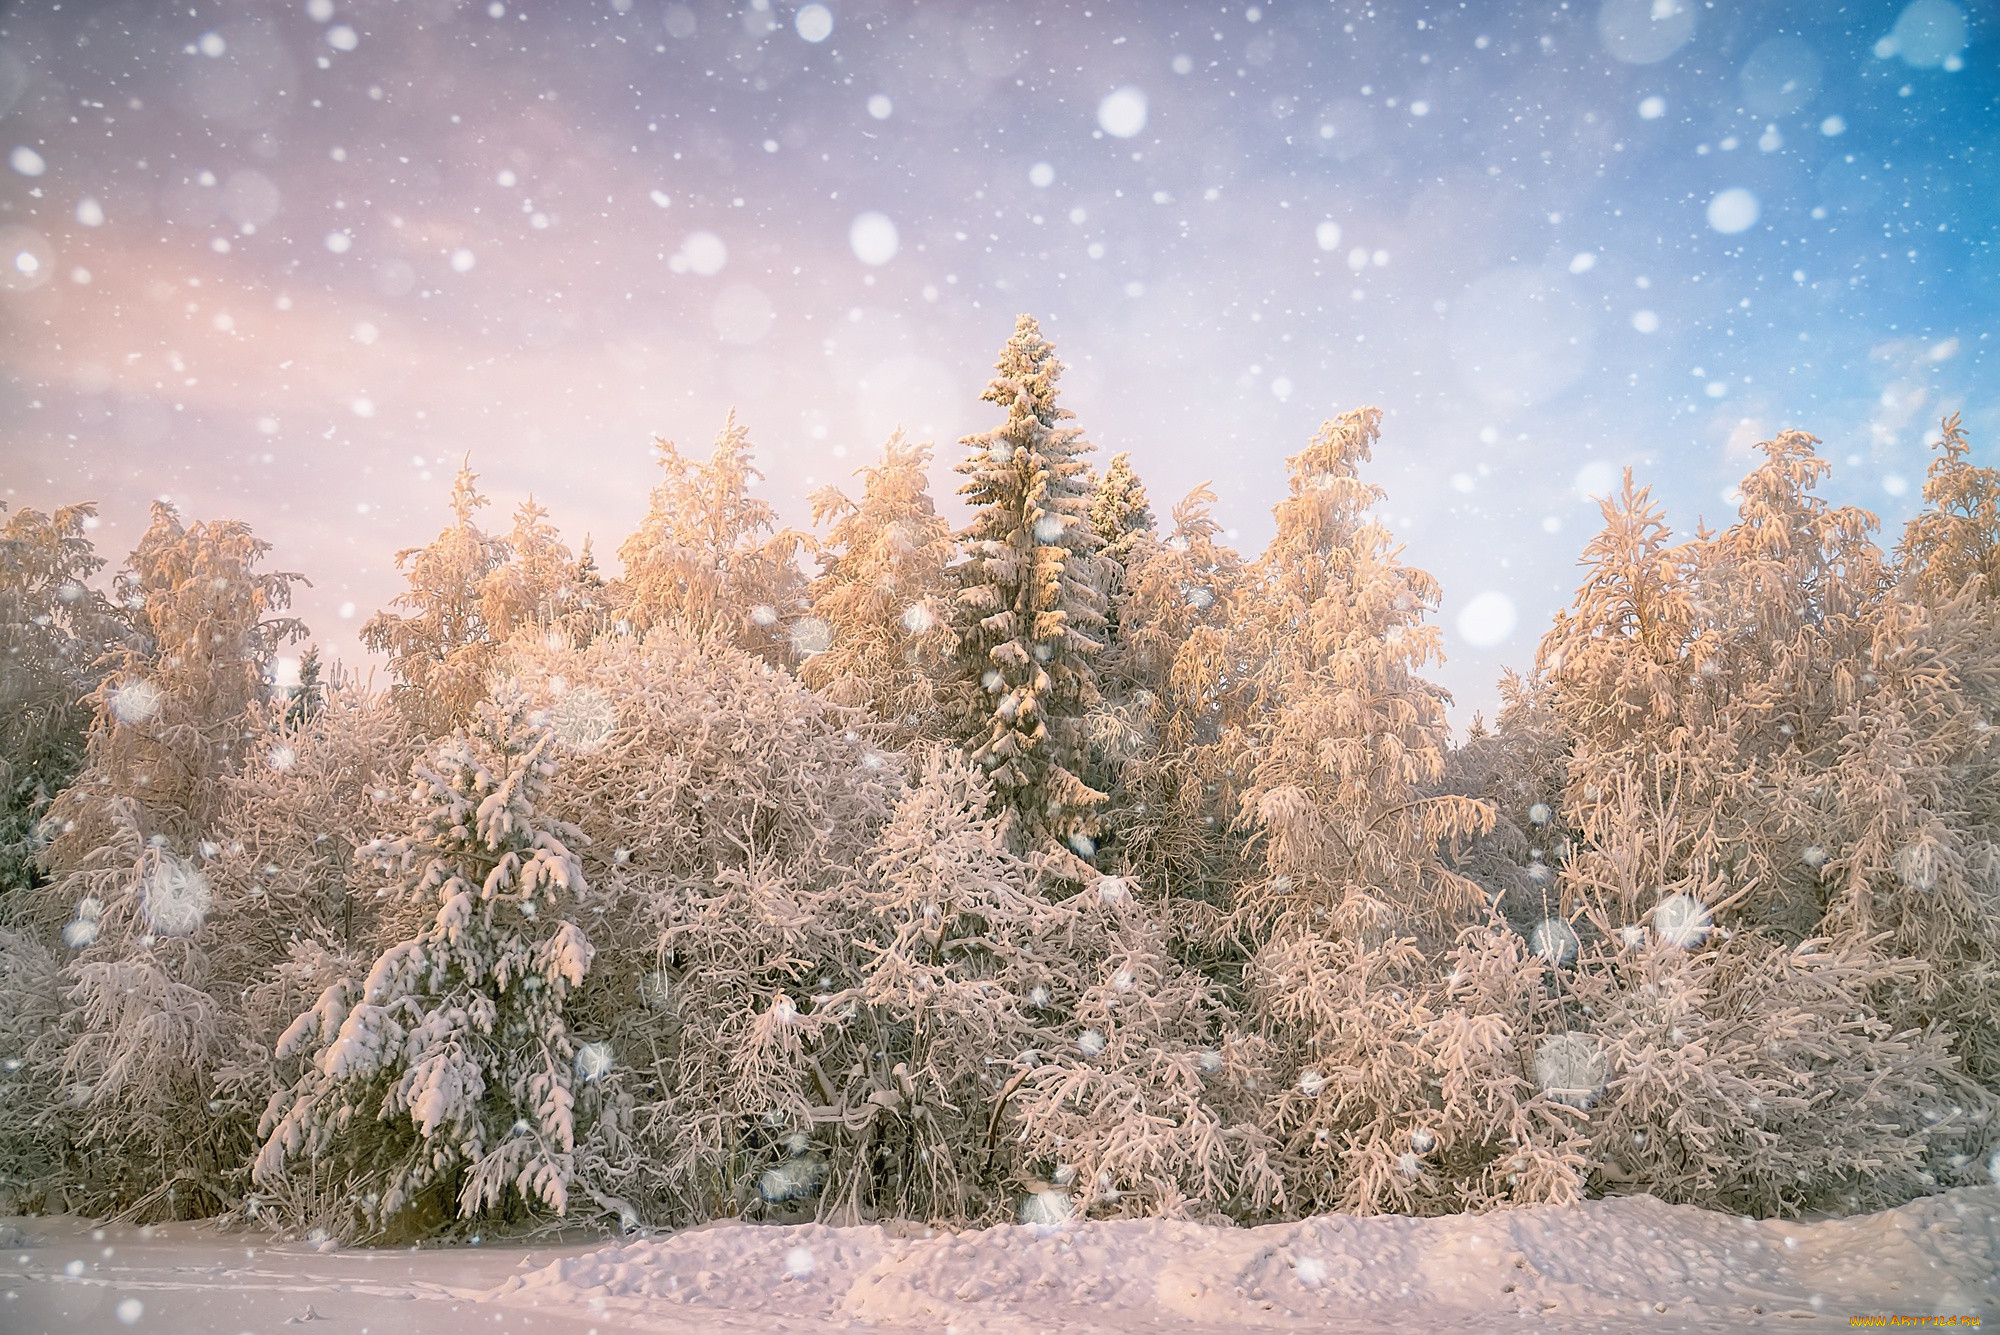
1682,920
283,758
1038,996
1210,1060
764,614
1569,1068
1122,981
1917,866
1539,814
1090,1043
1048,1208
1422,1141
1311,1271
176,898
584,719
1813,856
918,619
810,636
80,933
798,1263
593,1061
1554,940
1311,1083
1111,889
135,702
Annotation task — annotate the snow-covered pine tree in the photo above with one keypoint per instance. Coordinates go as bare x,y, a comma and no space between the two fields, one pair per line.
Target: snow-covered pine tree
54,632
443,1082
708,557
295,912
540,583
881,593
1345,741
142,1027
1955,539
443,651
1028,606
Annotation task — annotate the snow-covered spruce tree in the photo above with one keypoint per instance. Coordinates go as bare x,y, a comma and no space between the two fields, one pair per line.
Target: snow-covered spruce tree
442,651
54,632
307,697
1120,516
881,594
1028,605
442,1084
141,1029
1169,668
708,557
1344,740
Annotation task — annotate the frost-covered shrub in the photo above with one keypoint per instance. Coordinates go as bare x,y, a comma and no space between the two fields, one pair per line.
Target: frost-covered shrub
1421,1100
1756,1077
444,1080
826,988
727,814
31,1159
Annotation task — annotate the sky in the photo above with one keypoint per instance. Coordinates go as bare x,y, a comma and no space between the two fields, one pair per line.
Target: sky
289,263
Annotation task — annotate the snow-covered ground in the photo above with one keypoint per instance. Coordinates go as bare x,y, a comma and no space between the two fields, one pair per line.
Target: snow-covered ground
1620,1265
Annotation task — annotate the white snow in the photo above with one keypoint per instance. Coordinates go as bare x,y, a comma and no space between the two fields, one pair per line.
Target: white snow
1631,1264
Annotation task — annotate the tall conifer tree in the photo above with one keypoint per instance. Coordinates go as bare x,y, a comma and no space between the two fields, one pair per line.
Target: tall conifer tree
1028,608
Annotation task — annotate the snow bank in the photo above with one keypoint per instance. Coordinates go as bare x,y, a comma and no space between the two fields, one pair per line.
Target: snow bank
1631,1264
1624,1260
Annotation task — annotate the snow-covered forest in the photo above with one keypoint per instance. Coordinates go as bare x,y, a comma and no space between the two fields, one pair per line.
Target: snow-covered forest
1069,864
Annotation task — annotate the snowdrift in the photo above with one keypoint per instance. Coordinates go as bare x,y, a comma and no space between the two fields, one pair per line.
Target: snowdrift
1631,1264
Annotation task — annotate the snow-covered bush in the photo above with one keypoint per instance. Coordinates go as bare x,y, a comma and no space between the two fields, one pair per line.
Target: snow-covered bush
825,986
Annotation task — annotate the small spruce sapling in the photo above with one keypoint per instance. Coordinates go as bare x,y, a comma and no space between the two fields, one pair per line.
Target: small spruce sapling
450,1069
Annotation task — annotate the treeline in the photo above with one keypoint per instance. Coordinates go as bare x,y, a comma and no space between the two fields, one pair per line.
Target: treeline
1068,864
